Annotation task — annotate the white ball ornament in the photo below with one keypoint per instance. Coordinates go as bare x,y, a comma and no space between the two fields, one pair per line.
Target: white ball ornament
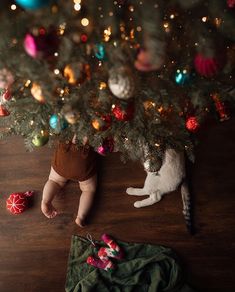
121,82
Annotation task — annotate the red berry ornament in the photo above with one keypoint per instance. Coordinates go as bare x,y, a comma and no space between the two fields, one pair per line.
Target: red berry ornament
192,124
123,113
18,202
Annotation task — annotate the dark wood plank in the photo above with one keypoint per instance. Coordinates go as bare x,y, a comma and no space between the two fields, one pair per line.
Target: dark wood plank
34,249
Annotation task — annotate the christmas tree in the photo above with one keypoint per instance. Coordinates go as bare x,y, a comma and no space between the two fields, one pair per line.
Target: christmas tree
136,76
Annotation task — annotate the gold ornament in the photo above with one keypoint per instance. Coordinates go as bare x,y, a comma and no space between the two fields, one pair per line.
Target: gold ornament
36,92
76,73
41,138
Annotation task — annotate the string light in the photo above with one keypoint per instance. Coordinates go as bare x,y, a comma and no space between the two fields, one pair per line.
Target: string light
27,83
139,28
157,144
107,34
62,28
103,85
57,71
204,18
77,1
131,8
84,21
13,7
77,6
172,16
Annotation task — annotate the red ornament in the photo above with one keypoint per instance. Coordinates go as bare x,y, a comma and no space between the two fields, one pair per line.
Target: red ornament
3,112
231,3
84,38
123,113
208,67
192,124
6,95
18,202
220,108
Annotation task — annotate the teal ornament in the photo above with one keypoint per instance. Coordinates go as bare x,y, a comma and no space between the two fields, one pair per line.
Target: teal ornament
57,123
100,51
182,76
32,4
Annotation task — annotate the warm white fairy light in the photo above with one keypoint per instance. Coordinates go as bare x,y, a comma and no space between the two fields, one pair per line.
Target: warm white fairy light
77,6
204,18
85,21
77,1
56,54
172,16
57,71
13,7
139,28
27,83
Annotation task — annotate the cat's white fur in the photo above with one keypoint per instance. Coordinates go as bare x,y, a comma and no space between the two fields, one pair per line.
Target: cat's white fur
167,179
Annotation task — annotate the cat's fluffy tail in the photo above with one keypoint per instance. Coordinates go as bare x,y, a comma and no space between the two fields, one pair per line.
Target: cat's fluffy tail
186,199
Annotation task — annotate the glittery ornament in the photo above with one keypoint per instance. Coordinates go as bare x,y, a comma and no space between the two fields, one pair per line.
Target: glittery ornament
32,4
121,82
75,73
208,67
100,51
101,123
182,76
43,44
3,111
106,147
6,78
41,138
221,109
192,124
17,203
231,3
123,112
57,123
36,92
144,62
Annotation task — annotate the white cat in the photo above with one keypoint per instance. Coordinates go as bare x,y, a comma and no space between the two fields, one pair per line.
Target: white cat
170,176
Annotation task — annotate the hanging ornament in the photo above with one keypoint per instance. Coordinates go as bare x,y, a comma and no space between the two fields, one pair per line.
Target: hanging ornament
3,111
36,92
76,73
231,3
41,138
6,95
100,51
6,78
101,123
41,44
123,112
18,202
57,123
32,4
121,82
192,124
71,114
208,67
83,38
106,147
144,62
221,109
182,76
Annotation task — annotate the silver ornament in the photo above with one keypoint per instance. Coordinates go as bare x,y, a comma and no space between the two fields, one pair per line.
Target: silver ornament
121,82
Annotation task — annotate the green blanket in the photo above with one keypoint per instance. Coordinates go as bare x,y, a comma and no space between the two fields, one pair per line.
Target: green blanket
145,267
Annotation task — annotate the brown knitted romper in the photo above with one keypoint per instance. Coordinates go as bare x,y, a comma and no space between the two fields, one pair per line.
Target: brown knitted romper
74,162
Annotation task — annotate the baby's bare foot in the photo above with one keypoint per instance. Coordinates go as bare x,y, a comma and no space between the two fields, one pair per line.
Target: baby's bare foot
48,210
80,222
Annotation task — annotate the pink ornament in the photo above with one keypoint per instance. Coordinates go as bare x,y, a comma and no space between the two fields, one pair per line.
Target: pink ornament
144,62
18,202
6,78
106,147
208,67
30,45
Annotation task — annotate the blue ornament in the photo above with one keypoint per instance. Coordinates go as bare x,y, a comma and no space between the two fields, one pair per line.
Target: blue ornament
182,77
57,123
32,4
100,51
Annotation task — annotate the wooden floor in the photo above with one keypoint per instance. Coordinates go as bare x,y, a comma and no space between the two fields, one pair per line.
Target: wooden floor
34,249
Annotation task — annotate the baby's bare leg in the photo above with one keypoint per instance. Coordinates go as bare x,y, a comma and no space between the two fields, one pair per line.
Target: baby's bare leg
51,189
88,188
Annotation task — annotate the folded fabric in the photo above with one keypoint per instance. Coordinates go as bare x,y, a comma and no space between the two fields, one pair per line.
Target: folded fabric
145,268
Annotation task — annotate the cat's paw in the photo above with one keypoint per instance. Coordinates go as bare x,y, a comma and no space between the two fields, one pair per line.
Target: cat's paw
130,191
138,204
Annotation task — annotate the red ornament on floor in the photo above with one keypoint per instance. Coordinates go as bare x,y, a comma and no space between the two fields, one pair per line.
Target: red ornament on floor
192,124
18,202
